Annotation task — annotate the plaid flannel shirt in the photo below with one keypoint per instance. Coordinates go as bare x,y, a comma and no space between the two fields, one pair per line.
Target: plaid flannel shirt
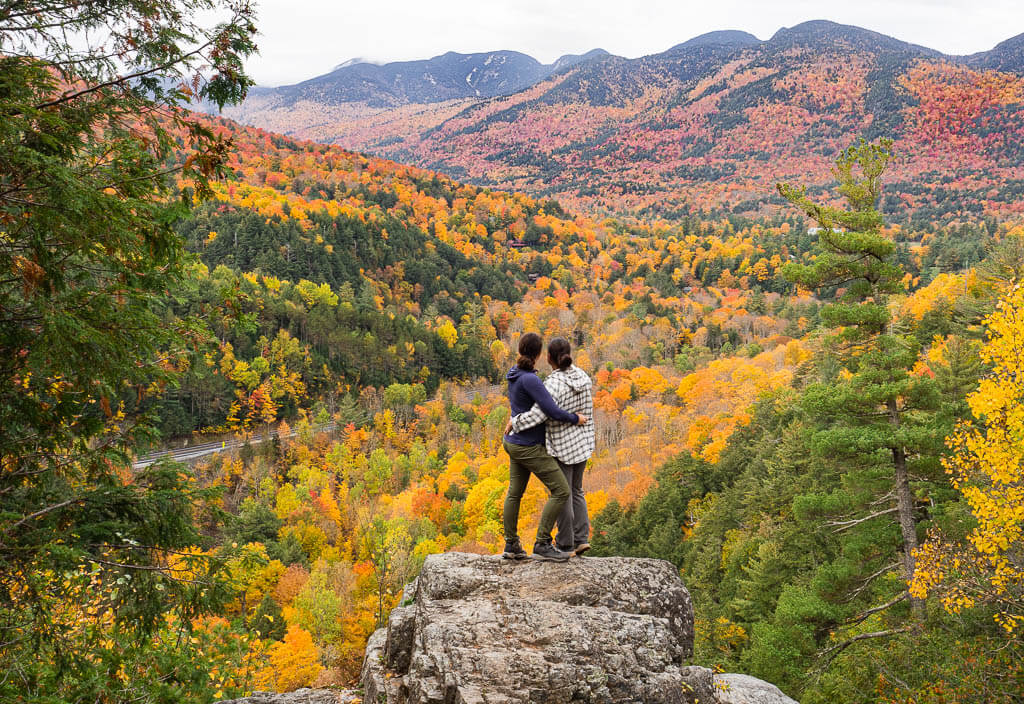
571,390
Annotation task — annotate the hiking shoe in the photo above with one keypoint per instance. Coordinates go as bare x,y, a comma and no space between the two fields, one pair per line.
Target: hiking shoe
581,548
514,550
547,551
564,548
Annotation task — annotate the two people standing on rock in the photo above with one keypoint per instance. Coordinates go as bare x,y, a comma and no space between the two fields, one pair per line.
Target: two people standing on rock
549,435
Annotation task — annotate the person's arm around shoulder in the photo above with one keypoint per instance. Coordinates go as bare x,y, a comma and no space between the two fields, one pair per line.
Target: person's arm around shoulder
526,420
540,395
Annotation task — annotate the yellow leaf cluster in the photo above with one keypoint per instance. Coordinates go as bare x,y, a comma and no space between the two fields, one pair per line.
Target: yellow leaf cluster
293,662
987,468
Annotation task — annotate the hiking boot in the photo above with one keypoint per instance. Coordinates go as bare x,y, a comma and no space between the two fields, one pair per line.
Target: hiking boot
547,551
581,548
514,550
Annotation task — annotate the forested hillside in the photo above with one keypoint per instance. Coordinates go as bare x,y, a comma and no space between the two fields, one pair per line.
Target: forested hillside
710,125
802,538
372,273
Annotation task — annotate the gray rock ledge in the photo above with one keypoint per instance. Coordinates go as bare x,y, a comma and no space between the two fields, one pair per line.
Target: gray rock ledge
299,696
478,629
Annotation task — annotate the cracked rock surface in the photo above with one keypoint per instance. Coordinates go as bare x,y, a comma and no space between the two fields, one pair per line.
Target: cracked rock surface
732,688
476,629
300,696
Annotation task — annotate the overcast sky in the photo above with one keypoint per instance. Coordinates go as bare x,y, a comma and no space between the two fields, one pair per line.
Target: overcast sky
304,38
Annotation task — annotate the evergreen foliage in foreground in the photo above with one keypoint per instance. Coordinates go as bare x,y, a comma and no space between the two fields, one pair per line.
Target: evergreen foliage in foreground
875,415
98,578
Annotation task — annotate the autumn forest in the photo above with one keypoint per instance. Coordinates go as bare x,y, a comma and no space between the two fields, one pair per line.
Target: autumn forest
804,325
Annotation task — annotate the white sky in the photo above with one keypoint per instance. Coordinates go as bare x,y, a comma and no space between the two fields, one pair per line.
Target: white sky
304,38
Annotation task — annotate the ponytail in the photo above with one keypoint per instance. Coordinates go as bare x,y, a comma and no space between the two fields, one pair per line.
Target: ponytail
530,346
558,353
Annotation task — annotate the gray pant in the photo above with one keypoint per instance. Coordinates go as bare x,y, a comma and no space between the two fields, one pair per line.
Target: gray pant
573,521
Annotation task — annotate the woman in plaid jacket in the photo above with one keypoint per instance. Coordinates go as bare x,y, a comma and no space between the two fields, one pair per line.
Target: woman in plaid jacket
570,444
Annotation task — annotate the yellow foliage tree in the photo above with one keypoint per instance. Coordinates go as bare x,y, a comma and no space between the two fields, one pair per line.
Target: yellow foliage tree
499,353
293,662
987,468
447,332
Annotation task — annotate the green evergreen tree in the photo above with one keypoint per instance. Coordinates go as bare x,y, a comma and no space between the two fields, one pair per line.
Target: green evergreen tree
268,621
876,418
90,144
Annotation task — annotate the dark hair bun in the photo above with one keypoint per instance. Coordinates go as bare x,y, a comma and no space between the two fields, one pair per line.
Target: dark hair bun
530,346
558,353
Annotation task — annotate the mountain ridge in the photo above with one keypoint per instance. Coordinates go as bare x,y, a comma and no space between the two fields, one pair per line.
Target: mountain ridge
447,76
720,36
707,126
812,30
801,32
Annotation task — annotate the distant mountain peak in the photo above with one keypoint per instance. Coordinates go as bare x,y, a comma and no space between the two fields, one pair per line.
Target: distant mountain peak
1016,42
355,61
1007,55
567,60
721,37
814,31
448,76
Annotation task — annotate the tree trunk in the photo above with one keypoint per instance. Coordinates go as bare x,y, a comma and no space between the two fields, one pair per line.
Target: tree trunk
905,511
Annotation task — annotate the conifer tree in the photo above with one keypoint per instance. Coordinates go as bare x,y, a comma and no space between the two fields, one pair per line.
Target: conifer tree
875,415
92,138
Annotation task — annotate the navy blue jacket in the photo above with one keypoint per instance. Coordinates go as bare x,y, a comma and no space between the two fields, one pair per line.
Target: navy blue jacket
524,390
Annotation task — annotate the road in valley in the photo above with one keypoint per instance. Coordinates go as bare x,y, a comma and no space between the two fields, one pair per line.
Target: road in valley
194,452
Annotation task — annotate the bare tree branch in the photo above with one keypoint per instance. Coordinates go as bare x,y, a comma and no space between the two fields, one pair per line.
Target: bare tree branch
871,578
43,512
119,80
864,615
846,525
835,650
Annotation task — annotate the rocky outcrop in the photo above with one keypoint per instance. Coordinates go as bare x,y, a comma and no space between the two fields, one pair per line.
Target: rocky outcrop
732,688
481,629
478,629
300,696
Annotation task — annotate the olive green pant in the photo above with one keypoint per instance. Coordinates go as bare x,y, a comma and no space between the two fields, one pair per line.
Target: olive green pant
526,460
